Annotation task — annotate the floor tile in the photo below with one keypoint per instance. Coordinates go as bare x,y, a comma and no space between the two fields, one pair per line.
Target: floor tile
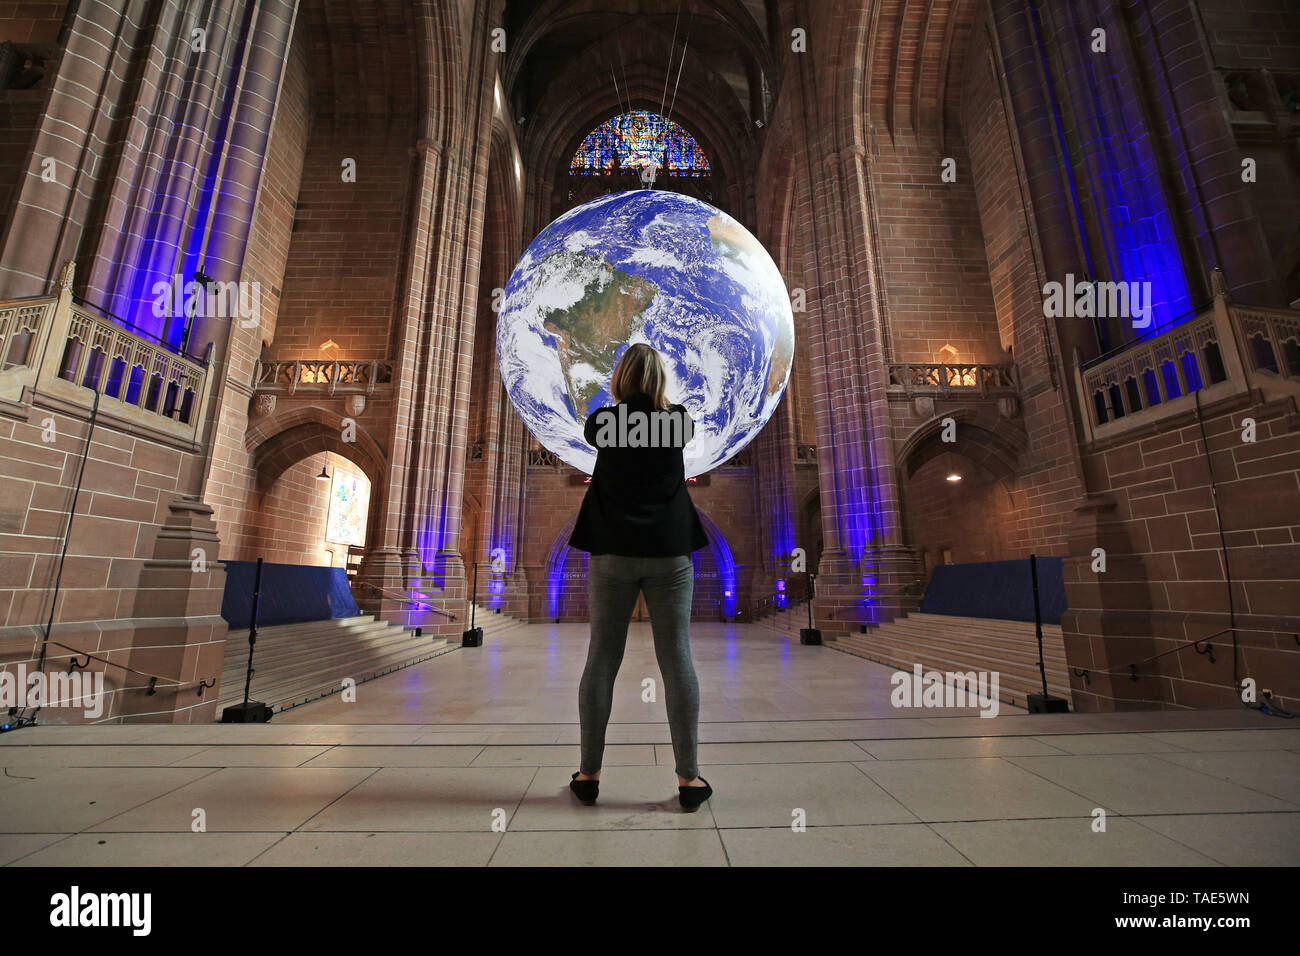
153,849
671,847
1235,839
428,799
1116,743
942,747
1279,739
241,799
258,755
803,751
405,756
986,788
616,755
14,846
75,799
1066,842
322,848
768,795
92,755
1275,772
905,844
1138,783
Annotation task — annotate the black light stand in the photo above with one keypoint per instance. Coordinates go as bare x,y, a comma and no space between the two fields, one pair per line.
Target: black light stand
250,711
473,636
1043,703
810,634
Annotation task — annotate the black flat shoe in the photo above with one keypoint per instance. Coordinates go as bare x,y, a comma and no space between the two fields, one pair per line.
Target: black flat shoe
585,790
691,797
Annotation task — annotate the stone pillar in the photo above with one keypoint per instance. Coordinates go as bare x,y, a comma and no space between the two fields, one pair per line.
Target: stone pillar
267,53
49,221
1109,622
864,562
180,121
178,629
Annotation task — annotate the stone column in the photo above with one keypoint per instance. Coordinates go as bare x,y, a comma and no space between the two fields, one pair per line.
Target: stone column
1109,621
178,629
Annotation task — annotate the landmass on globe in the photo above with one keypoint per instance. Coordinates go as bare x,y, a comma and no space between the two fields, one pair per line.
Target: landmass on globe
656,267
591,332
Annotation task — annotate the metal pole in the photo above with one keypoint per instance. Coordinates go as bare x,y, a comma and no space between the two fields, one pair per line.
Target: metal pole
252,628
1038,621
808,597
473,604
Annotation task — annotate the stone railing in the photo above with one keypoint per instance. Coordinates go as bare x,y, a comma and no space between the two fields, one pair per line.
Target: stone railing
1223,350
65,350
1261,97
23,323
321,376
1270,339
541,458
964,380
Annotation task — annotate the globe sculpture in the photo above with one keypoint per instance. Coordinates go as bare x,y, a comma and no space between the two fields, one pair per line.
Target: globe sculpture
655,267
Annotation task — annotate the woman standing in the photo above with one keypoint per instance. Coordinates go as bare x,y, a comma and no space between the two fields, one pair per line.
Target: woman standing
640,527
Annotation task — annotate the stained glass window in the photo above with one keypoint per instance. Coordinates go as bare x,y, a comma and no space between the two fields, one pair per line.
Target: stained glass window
349,507
636,141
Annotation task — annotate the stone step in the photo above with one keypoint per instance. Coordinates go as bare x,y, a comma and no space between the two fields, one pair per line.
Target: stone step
914,652
1012,688
318,646
1053,648
980,624
960,644
288,687
294,663
300,659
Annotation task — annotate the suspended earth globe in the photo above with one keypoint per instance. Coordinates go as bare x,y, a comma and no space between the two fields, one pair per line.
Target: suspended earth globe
655,267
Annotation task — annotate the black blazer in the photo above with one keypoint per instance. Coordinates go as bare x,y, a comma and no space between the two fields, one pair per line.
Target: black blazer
637,503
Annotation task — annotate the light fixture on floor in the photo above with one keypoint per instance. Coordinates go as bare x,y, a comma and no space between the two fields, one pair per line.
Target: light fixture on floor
324,475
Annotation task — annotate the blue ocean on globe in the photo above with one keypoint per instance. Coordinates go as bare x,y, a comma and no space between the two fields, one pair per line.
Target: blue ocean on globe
655,267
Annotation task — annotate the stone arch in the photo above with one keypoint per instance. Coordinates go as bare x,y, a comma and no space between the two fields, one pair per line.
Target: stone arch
283,440
992,444
583,97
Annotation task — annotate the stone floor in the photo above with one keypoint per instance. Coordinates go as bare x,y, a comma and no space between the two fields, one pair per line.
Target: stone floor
465,760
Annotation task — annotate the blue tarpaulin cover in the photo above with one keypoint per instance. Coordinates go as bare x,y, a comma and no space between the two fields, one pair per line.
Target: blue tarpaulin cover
998,589
290,593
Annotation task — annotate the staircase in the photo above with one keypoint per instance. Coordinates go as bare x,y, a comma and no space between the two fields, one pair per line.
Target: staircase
494,624
297,663
947,643
788,622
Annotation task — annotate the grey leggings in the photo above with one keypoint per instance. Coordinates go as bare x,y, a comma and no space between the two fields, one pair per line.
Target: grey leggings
613,583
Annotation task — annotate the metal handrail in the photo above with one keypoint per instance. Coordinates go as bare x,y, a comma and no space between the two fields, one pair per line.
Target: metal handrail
75,653
142,333
400,596
793,599
1147,335
1196,644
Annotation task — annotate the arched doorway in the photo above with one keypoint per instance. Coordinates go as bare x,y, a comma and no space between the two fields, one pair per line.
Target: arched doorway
317,492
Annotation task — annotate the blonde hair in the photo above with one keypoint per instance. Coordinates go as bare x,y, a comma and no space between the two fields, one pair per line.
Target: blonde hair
640,372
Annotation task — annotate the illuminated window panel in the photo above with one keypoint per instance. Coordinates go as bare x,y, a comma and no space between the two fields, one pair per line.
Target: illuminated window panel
636,141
